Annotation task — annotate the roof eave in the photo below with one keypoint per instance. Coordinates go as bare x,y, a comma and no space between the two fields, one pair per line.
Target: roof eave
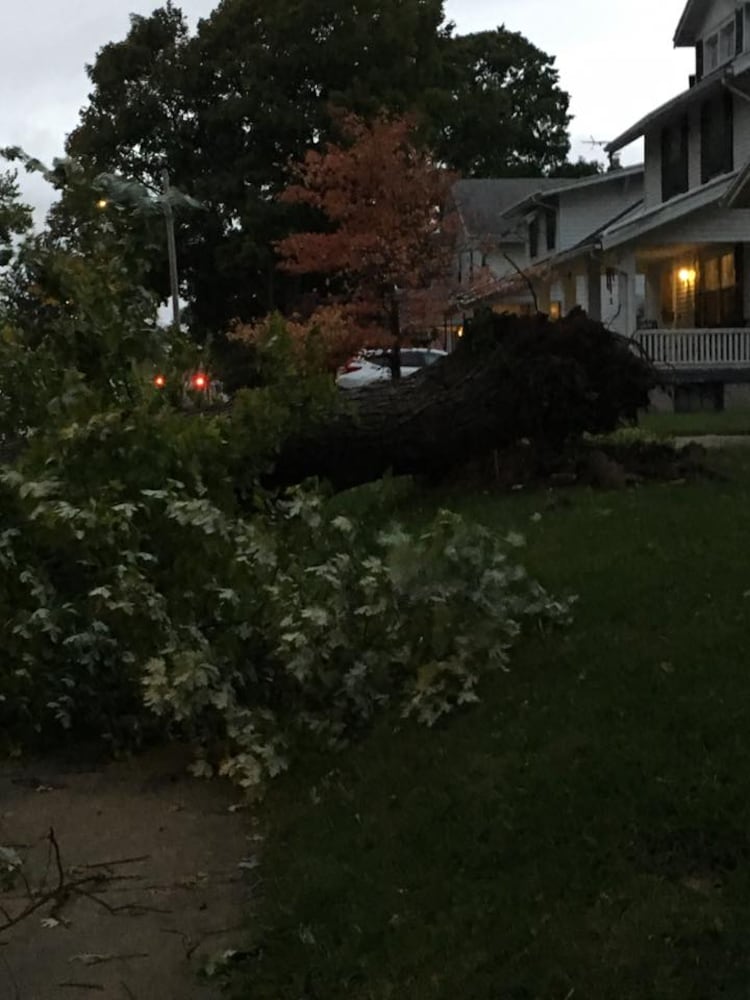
685,35
665,110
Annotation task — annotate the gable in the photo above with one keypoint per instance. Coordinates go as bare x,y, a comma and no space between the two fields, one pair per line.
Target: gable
701,17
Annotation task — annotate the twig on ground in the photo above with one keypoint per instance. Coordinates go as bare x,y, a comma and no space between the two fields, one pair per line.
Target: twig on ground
81,986
58,860
119,863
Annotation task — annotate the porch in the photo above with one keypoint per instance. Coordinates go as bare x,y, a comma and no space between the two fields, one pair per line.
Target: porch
696,350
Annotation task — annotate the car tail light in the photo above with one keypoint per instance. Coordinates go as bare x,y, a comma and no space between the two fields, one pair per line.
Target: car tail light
199,382
351,366
160,381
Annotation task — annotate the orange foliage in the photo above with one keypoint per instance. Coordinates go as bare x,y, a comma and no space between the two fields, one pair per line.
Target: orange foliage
385,204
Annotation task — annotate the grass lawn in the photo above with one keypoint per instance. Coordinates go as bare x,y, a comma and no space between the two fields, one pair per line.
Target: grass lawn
729,422
584,833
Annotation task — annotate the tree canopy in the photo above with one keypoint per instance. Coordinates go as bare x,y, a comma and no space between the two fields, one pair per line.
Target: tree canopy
229,107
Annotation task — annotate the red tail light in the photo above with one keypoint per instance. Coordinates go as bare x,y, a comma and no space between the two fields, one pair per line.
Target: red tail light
199,382
351,366
160,381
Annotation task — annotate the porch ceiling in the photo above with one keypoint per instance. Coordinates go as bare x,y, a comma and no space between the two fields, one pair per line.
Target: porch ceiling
667,252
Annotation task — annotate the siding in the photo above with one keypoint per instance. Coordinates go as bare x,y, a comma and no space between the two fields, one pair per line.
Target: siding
719,12
584,211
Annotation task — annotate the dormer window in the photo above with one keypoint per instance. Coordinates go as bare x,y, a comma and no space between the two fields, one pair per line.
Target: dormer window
711,54
727,49
721,46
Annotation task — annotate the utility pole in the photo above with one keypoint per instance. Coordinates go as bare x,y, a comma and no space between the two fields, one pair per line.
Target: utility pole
174,280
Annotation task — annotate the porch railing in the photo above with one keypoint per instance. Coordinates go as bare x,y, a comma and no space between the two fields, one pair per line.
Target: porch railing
696,348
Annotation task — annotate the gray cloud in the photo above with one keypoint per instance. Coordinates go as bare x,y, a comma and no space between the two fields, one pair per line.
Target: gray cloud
614,58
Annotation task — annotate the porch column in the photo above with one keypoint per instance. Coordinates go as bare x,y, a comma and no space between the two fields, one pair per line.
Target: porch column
569,292
594,283
543,298
653,293
626,321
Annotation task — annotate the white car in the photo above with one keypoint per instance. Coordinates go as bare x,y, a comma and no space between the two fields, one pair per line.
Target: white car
375,366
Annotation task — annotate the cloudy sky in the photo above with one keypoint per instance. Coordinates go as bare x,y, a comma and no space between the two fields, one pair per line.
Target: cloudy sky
615,59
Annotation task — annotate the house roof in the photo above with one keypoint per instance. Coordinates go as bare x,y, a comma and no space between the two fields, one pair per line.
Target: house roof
482,203
639,222
668,110
692,17
578,183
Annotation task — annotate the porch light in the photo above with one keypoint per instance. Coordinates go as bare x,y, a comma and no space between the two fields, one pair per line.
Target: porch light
686,275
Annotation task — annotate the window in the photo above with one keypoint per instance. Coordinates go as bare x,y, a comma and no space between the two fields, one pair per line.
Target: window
551,228
718,298
534,238
721,46
727,49
711,53
717,136
674,159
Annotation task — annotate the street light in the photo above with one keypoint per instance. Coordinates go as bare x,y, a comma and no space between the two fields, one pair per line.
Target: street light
144,199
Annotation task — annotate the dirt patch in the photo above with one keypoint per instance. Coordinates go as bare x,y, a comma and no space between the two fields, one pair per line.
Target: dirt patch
153,879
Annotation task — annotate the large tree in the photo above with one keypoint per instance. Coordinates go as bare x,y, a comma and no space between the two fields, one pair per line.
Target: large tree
230,107
500,111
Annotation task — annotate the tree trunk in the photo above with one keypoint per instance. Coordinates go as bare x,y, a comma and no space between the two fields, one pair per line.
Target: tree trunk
394,320
528,379
422,425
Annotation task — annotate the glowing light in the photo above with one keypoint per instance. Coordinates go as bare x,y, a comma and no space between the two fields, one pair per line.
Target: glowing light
686,275
199,381
102,203
160,381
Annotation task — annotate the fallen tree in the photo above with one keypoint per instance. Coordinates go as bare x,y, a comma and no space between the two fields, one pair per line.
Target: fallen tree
510,379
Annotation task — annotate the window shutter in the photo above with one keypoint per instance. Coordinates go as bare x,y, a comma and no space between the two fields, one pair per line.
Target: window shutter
739,283
739,30
699,61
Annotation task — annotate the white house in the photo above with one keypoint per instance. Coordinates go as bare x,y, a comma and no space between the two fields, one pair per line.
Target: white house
691,239
662,252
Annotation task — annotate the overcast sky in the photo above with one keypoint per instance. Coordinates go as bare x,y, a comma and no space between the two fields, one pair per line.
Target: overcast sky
615,59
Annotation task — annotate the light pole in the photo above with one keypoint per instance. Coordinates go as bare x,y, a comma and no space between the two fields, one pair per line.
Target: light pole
174,281
144,199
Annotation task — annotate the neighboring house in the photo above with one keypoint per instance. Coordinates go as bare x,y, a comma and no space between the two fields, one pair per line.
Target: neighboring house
543,234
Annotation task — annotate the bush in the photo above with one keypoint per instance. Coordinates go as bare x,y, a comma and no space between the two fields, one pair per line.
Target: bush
149,586
241,634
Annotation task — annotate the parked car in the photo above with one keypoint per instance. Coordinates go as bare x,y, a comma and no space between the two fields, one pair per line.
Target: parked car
375,366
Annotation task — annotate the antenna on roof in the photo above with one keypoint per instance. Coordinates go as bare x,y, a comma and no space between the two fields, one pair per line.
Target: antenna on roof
614,159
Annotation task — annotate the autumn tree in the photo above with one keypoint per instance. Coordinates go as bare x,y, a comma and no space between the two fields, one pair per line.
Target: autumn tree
384,231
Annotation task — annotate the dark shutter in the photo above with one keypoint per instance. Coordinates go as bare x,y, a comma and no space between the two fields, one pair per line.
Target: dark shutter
739,30
551,228
739,283
534,237
717,136
699,60
674,159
